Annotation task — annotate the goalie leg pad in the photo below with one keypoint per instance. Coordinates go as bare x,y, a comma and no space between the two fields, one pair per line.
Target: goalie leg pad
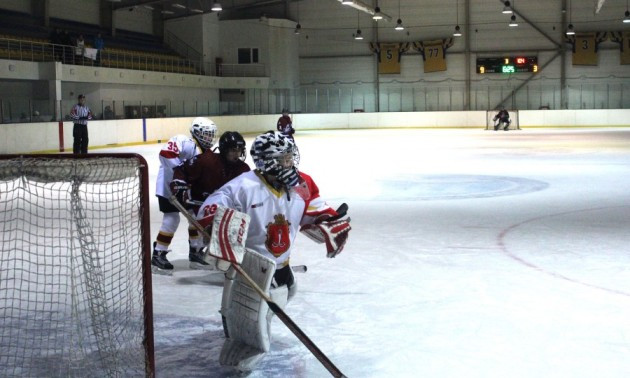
245,312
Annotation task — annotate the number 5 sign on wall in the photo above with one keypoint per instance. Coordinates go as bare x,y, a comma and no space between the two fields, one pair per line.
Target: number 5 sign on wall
389,55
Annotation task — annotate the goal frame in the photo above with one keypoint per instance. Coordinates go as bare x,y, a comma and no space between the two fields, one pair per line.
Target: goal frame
145,240
514,117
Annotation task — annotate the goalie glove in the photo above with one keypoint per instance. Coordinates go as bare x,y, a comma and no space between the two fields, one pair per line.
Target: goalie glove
181,191
334,233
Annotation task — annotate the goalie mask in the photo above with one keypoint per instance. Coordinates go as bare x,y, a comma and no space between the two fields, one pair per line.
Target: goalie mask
203,131
231,140
276,155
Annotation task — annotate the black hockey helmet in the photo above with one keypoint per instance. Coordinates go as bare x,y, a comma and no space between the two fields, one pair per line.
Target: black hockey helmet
232,139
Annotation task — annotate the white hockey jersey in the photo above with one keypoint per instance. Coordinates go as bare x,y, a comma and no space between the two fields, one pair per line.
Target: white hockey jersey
173,153
275,219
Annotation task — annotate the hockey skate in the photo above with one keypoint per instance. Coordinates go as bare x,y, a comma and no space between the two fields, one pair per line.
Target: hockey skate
159,262
195,256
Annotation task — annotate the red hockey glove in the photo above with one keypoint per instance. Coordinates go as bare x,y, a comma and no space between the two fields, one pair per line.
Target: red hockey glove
333,233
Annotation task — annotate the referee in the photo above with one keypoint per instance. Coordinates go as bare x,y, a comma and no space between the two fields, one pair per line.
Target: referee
80,114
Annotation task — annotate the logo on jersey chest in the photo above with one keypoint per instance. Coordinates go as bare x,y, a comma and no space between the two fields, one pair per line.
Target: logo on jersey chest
278,241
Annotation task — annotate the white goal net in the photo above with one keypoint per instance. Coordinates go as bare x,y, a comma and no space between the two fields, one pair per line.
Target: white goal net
492,124
75,278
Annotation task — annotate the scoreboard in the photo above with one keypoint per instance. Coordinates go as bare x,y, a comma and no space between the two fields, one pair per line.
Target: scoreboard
507,65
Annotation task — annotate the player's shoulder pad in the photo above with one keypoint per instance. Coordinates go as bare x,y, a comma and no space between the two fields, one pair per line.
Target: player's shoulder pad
312,187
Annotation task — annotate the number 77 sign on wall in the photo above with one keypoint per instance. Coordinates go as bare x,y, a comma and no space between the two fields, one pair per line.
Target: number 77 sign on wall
434,53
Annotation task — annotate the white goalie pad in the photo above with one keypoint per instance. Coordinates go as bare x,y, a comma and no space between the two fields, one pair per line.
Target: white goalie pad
245,313
228,235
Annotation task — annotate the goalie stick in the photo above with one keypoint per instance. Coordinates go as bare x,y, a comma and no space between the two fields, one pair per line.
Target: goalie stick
291,325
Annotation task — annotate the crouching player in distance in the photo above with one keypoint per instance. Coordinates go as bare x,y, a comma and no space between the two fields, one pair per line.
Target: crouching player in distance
280,201
200,176
177,150
502,118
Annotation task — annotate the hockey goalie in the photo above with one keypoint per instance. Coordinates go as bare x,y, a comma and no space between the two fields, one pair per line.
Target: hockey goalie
276,201
502,119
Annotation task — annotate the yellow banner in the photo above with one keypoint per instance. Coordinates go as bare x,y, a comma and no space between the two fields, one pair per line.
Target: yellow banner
584,50
389,58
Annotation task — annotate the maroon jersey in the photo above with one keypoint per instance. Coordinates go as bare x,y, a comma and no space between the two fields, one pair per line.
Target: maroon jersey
206,173
285,126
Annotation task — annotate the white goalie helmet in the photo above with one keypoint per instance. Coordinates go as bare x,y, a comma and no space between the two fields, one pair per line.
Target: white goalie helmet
203,130
270,152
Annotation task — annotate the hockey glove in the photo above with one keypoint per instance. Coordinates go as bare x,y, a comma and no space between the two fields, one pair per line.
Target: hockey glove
333,233
181,191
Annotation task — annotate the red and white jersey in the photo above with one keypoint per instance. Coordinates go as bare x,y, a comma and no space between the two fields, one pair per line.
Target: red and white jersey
178,149
275,219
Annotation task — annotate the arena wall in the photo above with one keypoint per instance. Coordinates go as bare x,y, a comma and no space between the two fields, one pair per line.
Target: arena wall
51,137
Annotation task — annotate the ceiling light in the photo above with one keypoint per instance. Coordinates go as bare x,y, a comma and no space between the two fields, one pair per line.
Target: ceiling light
196,10
177,5
507,9
626,20
346,2
358,35
148,7
457,32
216,7
377,14
513,22
399,25
570,30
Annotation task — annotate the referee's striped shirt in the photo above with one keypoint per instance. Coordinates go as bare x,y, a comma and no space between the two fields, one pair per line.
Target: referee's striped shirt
79,111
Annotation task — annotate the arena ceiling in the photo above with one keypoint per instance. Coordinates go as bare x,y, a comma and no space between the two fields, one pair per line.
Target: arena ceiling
232,9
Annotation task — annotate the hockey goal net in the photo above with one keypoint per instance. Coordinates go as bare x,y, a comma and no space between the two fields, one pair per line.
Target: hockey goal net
75,276
491,123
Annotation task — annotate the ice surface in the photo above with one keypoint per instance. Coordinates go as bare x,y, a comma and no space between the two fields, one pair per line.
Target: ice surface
473,254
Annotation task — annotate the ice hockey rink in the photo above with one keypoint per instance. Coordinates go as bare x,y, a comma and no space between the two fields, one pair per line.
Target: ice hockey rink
473,254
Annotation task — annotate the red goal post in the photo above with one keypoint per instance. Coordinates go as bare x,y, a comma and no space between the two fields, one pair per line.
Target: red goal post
514,117
75,289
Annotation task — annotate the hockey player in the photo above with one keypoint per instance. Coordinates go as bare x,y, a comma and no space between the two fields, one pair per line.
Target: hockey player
178,149
280,201
285,124
502,117
196,178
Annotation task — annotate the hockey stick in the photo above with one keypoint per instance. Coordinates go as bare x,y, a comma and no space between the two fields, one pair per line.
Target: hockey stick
342,210
297,331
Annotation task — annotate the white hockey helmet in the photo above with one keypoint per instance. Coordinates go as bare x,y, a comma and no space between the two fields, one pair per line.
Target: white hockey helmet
267,151
203,130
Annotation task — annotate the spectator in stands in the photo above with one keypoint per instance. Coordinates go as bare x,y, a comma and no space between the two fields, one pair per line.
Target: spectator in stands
79,47
36,117
146,113
108,113
80,114
23,117
99,44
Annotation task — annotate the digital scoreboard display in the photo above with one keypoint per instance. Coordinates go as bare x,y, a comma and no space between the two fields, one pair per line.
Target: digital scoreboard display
507,65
